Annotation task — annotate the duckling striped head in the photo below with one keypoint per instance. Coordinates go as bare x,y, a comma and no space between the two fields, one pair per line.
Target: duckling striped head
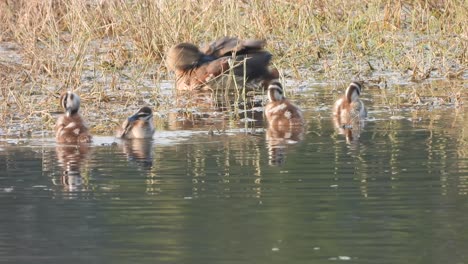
139,125
275,91
145,113
70,103
353,91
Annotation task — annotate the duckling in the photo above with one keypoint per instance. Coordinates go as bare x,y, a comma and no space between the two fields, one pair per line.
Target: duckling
348,112
285,124
279,111
70,127
350,107
202,69
139,125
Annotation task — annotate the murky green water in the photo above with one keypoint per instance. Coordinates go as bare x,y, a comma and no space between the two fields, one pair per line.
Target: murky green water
396,193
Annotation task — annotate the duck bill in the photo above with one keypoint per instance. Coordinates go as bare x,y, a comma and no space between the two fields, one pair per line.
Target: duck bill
133,118
128,124
68,112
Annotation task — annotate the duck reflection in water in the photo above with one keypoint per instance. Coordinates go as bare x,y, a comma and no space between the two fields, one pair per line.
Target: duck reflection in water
349,113
139,151
71,158
285,123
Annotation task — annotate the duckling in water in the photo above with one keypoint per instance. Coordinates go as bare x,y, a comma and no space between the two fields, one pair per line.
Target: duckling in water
349,106
348,112
139,125
279,111
285,124
70,127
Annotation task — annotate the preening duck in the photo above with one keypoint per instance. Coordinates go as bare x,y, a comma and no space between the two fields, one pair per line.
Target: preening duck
349,106
139,125
70,127
279,111
206,68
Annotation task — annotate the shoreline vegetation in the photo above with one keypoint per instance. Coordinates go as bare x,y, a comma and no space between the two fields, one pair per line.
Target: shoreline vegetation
112,52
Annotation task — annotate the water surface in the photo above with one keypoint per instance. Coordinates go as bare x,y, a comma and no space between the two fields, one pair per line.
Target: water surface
396,192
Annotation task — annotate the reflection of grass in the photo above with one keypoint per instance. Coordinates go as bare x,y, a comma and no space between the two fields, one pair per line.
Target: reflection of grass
112,52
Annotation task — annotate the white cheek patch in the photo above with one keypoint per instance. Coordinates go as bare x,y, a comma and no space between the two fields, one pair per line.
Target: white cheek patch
288,114
76,131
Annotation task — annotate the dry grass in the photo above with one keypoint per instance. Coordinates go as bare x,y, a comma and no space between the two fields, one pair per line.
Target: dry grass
112,52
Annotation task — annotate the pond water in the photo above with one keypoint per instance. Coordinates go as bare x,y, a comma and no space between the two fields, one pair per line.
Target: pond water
394,193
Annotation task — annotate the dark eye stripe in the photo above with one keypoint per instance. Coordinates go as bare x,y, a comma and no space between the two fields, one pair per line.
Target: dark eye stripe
276,83
277,88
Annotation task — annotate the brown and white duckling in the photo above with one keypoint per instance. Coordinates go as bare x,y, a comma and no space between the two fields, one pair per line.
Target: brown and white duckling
349,106
139,125
203,69
279,111
70,127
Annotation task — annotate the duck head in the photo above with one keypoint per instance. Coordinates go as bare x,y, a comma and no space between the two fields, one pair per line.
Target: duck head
70,103
353,91
275,91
